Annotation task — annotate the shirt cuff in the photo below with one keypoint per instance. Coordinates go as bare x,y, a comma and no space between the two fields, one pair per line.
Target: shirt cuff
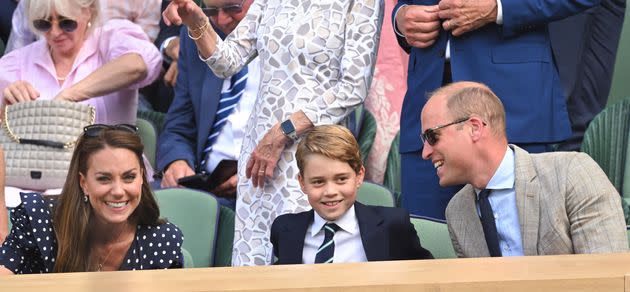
396,25
499,13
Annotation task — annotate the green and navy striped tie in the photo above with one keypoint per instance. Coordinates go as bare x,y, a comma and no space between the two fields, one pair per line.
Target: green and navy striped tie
326,251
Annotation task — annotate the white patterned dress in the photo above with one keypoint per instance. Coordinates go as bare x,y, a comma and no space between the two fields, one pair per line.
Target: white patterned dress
316,56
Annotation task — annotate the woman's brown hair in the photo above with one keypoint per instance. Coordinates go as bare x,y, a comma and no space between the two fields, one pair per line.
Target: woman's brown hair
72,216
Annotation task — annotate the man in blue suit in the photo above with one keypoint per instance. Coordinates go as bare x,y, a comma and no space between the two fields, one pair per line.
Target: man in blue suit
504,44
184,146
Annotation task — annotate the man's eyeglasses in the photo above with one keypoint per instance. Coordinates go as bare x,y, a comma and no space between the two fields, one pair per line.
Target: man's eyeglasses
96,129
65,24
431,137
212,11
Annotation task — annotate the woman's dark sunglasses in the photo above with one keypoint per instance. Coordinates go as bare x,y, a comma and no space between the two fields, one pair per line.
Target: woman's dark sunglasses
65,24
430,135
212,11
96,129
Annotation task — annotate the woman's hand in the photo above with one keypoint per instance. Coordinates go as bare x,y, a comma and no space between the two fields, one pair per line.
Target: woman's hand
184,11
265,157
19,91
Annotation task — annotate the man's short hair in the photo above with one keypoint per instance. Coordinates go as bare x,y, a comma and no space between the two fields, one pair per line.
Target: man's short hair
332,141
476,99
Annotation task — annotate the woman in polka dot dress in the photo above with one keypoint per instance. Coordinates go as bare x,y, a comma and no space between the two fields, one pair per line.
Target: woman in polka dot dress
105,219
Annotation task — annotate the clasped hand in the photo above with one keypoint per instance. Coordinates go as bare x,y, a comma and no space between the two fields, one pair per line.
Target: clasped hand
421,24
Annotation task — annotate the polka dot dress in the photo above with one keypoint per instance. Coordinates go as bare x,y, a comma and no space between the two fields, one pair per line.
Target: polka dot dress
31,246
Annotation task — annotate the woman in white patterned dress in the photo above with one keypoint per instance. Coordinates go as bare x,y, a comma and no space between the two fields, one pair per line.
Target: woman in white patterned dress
317,59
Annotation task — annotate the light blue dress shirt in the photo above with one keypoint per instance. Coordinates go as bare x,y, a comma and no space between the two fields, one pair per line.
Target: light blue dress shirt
503,202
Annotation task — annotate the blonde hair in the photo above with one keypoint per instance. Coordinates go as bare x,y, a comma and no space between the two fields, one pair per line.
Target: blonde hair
333,141
42,9
465,99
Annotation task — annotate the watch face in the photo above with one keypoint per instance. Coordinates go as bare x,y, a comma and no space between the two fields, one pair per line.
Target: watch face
287,127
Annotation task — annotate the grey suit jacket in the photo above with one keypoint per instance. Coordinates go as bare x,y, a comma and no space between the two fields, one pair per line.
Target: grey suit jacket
566,205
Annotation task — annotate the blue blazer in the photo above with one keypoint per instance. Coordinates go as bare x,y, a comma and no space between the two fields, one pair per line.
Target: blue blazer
192,112
514,59
387,234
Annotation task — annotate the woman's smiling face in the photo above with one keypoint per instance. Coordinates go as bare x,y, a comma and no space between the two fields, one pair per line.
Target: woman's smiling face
113,183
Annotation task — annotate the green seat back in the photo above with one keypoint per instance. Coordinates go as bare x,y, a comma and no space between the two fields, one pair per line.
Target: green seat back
433,235
156,118
366,134
225,238
375,195
1,48
188,260
391,179
625,187
196,213
148,135
628,231
606,140
620,86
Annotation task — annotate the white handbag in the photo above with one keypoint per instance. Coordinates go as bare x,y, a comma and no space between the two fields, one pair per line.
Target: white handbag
38,139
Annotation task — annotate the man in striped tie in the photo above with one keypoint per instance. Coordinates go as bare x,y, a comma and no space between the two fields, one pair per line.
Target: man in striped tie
205,123
338,229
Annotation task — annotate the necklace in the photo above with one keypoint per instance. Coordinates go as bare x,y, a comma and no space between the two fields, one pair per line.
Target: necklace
99,266
61,78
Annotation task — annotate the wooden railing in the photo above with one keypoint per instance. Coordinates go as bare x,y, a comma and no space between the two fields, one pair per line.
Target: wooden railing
610,272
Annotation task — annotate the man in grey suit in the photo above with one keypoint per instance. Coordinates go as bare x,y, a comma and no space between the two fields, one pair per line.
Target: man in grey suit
514,203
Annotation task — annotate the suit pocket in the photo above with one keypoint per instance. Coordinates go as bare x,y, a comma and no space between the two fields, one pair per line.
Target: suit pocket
512,54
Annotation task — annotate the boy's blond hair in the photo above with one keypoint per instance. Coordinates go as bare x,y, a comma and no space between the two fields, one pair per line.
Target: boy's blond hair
332,141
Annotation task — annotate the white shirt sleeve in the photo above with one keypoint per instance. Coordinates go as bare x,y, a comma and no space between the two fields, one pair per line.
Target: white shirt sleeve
396,24
499,13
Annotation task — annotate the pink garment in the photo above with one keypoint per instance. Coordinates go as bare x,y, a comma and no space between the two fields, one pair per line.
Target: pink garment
33,64
384,100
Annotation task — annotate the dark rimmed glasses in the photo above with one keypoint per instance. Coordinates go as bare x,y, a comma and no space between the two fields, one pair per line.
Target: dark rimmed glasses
65,24
96,129
212,11
430,135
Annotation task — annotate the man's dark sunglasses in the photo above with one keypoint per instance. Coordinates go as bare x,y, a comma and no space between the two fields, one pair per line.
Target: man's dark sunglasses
96,129
430,136
212,11
65,24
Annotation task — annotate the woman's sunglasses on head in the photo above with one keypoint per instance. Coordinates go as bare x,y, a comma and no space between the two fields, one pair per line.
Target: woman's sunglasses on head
96,129
65,24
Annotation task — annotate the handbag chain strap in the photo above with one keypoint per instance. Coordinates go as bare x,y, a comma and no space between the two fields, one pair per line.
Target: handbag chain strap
15,138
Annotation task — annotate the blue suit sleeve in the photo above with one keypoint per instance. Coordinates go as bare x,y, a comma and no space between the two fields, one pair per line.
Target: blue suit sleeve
178,139
525,15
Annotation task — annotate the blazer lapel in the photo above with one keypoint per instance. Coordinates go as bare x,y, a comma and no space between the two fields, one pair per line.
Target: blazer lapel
527,187
209,102
471,236
373,235
294,234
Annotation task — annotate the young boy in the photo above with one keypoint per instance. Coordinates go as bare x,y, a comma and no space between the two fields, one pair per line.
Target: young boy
338,229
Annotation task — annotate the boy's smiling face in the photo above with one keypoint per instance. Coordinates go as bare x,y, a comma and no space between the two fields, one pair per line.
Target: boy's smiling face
330,185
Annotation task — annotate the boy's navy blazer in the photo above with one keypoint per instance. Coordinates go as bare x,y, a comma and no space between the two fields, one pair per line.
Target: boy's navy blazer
386,233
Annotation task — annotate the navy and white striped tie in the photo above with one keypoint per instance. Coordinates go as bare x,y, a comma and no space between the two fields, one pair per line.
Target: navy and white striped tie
326,251
227,103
